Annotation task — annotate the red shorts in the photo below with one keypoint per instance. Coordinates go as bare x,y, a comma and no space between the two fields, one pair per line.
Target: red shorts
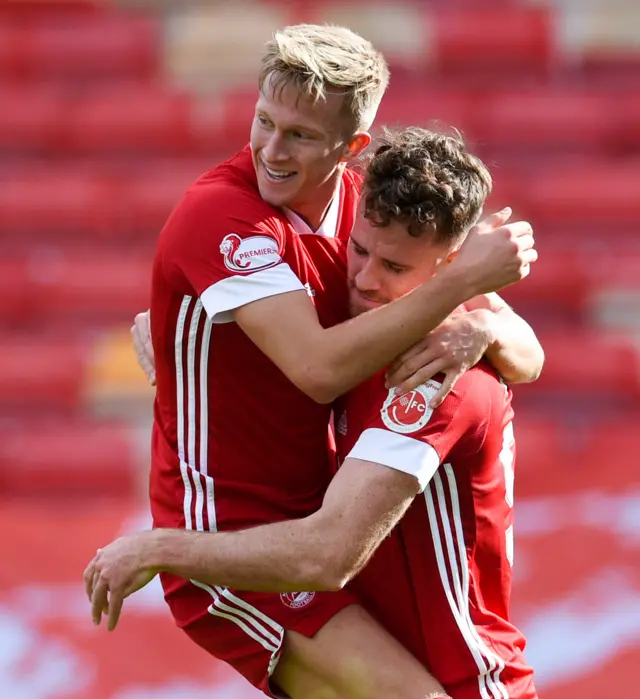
246,629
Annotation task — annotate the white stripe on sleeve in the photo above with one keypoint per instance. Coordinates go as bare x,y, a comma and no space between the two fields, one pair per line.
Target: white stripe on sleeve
397,451
228,294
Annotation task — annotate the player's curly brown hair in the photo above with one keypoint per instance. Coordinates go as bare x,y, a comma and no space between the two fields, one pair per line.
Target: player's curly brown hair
428,180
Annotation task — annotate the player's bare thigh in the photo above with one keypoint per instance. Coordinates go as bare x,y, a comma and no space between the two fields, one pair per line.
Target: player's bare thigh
351,657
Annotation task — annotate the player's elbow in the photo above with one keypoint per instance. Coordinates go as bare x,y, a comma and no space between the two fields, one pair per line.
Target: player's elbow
340,565
317,382
537,365
328,567
529,371
329,578
323,578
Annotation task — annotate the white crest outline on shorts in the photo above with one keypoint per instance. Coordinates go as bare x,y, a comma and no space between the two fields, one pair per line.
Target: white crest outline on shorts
398,411
249,254
296,600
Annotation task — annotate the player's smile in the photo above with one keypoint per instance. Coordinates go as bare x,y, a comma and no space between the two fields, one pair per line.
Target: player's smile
277,175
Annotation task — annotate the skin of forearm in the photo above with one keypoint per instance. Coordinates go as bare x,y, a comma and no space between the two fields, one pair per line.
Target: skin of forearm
513,347
366,344
280,557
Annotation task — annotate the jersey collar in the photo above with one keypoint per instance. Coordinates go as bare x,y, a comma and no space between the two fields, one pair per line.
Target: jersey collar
329,226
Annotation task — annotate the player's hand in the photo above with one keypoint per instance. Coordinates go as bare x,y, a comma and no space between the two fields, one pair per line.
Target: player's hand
141,334
451,349
496,254
117,571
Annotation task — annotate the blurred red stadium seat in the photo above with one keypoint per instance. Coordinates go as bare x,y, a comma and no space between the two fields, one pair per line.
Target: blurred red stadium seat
550,118
589,363
150,195
57,461
49,199
31,118
130,119
573,277
63,285
626,122
419,102
606,190
557,278
558,456
503,38
42,371
86,45
101,286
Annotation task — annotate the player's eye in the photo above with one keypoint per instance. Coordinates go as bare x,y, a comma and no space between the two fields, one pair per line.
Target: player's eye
361,252
394,269
263,121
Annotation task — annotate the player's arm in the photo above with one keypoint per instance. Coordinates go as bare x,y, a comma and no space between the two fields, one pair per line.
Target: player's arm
325,363
324,551
513,348
366,498
363,503
487,328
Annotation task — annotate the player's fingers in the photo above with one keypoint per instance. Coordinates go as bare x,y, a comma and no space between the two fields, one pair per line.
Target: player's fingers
421,375
405,371
495,220
91,576
88,578
142,350
96,578
142,321
525,240
406,356
450,380
99,600
115,607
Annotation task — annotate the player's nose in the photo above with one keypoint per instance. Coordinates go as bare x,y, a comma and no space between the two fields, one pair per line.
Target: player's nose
274,150
366,280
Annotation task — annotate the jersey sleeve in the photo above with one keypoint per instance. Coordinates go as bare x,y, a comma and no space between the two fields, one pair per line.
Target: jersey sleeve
225,246
404,433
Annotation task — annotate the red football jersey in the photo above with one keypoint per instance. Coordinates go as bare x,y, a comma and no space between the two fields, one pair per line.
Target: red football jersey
230,430
441,582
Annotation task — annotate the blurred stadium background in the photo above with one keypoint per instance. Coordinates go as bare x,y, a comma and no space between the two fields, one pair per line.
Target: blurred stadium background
109,109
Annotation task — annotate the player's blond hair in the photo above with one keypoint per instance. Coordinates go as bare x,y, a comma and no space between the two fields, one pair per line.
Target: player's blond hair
324,59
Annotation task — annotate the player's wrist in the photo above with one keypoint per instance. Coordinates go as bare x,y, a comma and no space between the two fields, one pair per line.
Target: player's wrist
486,325
455,284
157,551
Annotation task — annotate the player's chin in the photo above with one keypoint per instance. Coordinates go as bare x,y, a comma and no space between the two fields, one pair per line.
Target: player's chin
356,308
277,194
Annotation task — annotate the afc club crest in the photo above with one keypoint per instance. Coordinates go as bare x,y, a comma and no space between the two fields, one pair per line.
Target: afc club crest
411,412
249,254
297,600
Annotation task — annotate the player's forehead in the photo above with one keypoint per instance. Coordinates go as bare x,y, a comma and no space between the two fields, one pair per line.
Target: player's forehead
391,242
288,106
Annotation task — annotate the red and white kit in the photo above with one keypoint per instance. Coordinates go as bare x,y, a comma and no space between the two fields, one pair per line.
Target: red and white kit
441,582
235,443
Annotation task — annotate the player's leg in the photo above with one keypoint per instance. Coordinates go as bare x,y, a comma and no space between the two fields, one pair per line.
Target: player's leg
308,646
350,657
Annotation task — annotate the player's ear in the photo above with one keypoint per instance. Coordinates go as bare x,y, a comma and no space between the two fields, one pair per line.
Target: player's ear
355,146
452,256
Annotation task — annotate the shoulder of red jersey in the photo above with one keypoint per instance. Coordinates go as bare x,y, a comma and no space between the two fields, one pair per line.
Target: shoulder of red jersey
221,231
221,212
405,433
410,413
